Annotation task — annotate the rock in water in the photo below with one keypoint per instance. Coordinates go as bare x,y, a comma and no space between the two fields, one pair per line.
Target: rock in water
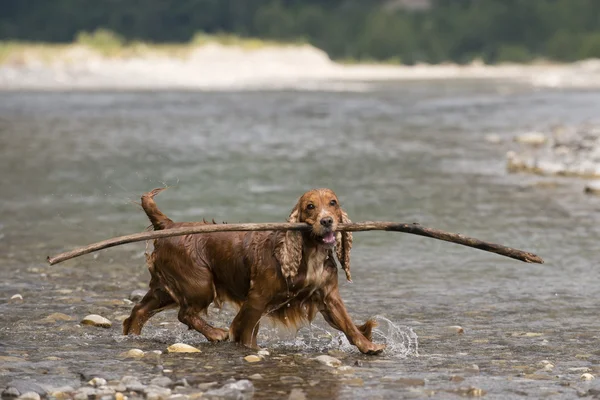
96,320
593,188
29,396
532,138
587,377
232,390
568,151
16,298
182,348
329,361
133,353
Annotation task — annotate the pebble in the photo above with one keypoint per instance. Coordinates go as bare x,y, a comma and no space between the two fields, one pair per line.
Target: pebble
54,317
232,390
97,382
328,360
455,329
132,383
162,381
133,353
549,367
96,320
263,353
157,393
29,396
593,188
16,388
252,358
137,295
119,396
493,138
297,394
207,385
182,348
10,392
62,393
16,298
256,377
179,396
587,377
532,138
473,369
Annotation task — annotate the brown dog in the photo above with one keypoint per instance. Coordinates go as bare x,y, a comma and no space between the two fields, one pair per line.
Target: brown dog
288,276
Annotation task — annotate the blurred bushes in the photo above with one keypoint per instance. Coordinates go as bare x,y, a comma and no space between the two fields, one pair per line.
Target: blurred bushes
451,30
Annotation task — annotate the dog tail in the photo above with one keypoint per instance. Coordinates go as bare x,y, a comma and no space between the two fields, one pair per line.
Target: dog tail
158,219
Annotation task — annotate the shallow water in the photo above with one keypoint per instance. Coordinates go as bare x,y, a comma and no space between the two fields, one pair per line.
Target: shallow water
73,164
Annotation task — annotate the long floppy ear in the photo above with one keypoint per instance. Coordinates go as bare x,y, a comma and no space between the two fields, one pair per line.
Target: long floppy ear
289,250
344,245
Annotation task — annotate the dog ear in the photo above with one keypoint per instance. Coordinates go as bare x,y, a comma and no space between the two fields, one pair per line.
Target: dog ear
344,245
289,250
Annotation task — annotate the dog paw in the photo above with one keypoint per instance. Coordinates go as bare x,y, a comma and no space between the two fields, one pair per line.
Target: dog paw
219,335
373,349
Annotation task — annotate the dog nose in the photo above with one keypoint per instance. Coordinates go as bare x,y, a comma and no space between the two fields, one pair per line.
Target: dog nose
327,221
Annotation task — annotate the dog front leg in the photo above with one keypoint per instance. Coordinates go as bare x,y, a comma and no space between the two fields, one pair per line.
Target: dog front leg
244,327
335,313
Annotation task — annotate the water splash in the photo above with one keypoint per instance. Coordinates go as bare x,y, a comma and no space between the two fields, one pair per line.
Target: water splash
401,341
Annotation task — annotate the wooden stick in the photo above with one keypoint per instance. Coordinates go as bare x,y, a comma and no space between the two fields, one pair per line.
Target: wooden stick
414,229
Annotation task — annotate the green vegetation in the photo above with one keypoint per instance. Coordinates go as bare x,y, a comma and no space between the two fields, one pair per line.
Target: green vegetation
363,30
108,44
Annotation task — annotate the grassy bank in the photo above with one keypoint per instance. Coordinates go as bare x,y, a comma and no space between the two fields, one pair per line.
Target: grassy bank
106,44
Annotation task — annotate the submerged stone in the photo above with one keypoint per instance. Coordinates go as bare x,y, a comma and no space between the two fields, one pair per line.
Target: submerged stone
252,358
568,151
329,361
182,348
587,377
16,298
96,320
133,353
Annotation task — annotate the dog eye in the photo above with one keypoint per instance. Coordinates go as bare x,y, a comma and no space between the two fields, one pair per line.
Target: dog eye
333,203
310,207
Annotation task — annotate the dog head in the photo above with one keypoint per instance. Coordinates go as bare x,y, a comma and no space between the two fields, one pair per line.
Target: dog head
320,209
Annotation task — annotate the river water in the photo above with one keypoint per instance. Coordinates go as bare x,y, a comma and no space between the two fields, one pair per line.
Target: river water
74,164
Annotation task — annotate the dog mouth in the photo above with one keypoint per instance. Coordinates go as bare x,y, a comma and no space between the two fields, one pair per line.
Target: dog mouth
328,238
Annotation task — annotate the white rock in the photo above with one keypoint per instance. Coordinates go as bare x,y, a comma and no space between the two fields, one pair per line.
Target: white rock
592,188
96,320
29,396
549,367
493,138
587,377
252,358
97,382
532,138
263,353
328,360
133,353
157,393
16,298
297,394
455,329
182,348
